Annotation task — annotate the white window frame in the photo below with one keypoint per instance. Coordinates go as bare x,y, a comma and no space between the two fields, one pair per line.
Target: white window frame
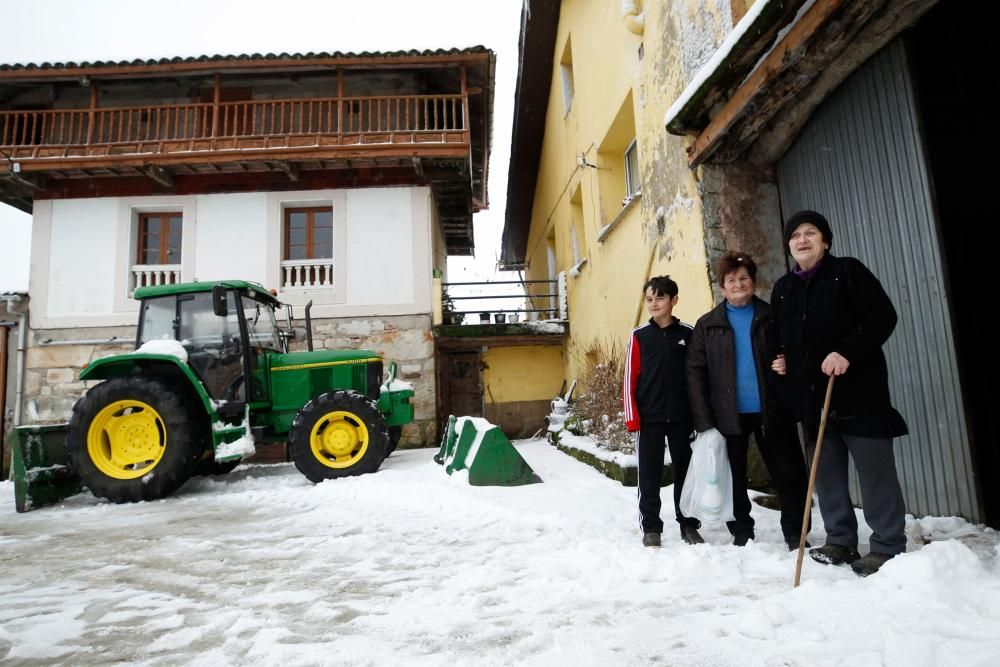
633,183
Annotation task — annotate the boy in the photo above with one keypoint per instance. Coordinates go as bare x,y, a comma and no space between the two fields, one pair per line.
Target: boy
656,405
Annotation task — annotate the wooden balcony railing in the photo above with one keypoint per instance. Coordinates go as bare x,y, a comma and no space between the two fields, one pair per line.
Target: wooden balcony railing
352,120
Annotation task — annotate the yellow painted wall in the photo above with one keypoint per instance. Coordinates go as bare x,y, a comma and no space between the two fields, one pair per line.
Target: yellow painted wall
522,373
616,93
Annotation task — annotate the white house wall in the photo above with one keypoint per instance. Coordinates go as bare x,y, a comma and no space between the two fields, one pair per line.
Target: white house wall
228,237
83,248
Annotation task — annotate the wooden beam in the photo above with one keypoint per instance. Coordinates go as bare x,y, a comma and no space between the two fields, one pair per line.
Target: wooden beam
291,170
352,153
159,174
785,55
36,182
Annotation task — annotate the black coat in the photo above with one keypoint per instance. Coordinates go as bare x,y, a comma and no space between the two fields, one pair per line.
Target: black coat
711,369
841,308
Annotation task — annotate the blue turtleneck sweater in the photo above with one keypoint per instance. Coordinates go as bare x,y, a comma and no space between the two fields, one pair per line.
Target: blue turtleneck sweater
747,391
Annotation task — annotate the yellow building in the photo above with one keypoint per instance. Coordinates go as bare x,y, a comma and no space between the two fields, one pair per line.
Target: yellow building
597,189
652,137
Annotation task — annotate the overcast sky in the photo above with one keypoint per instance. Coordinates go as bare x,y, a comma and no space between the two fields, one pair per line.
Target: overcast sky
70,30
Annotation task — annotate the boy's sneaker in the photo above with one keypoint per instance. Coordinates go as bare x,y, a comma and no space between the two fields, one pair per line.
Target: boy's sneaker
742,539
834,554
870,564
691,535
651,540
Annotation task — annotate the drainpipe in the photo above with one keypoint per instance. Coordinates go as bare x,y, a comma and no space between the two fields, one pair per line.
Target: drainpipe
22,337
634,17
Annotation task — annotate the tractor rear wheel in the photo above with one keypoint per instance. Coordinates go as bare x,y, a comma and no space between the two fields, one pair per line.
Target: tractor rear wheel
133,439
338,434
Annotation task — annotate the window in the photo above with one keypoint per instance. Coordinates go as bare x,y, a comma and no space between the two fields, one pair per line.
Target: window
309,233
308,255
566,68
633,185
159,238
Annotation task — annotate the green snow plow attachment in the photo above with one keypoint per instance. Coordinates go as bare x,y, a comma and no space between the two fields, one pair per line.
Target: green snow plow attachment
42,473
478,446
212,377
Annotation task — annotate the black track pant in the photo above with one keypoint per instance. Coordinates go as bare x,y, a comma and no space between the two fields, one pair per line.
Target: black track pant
649,452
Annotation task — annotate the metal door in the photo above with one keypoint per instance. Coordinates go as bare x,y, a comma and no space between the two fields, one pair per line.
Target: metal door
860,161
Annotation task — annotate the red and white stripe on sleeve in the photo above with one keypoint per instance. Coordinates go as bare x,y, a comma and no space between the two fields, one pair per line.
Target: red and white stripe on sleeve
632,366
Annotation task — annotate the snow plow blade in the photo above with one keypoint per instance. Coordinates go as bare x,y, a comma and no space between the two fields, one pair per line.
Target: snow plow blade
42,474
474,444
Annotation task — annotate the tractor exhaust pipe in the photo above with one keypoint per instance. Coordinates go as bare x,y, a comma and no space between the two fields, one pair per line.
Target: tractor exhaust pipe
309,326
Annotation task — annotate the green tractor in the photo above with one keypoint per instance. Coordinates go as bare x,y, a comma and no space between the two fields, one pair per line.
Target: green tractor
211,376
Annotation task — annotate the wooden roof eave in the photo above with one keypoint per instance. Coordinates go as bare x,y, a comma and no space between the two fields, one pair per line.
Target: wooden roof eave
762,117
733,69
239,66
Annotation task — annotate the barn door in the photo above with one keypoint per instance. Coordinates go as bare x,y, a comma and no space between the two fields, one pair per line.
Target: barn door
861,162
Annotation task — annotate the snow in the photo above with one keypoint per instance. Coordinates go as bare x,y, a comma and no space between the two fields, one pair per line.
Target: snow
166,346
720,55
410,566
397,385
244,447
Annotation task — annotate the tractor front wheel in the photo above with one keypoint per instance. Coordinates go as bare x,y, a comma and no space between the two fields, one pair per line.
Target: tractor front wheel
338,434
133,439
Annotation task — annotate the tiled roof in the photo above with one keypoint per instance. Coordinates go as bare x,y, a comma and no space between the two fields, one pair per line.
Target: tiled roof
244,57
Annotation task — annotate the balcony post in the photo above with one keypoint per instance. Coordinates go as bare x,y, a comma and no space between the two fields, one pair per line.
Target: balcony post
340,106
92,112
216,96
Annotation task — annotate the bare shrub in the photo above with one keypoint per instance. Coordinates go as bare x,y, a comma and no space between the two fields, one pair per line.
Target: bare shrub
599,407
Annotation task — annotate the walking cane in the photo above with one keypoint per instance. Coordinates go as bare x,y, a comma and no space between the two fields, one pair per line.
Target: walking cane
812,480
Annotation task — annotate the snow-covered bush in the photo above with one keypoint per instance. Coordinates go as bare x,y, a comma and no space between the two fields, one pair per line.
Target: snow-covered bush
598,410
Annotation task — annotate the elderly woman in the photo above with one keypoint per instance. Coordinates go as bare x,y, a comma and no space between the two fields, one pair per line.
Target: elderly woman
729,390
831,317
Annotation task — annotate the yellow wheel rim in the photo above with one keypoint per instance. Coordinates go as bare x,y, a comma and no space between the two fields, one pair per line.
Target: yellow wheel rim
339,439
126,439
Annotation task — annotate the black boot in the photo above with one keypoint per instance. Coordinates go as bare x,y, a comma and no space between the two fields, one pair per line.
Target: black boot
870,564
834,554
651,540
691,535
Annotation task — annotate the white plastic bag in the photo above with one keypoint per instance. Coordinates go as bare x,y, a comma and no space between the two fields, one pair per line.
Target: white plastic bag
708,487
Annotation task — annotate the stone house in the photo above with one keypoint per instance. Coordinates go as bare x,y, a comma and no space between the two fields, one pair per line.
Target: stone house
341,179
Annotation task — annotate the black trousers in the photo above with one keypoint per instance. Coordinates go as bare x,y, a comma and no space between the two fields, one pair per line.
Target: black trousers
649,452
781,450
884,508
736,450
782,453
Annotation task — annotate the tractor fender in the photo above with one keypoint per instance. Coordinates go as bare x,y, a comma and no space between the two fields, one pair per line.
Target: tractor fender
140,364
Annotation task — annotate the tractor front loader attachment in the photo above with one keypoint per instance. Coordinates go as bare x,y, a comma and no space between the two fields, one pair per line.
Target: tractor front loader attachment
42,472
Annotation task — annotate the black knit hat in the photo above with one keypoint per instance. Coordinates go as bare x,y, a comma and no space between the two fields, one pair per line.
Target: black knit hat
812,217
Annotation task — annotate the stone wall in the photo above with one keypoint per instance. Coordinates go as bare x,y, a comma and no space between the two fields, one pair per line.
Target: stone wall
54,360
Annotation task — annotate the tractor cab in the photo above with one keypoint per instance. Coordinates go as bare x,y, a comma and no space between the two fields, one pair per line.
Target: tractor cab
226,330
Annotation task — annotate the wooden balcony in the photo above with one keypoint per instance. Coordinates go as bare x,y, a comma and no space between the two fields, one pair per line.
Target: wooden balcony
313,128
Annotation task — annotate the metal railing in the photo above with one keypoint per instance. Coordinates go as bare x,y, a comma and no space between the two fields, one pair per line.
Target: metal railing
537,300
399,119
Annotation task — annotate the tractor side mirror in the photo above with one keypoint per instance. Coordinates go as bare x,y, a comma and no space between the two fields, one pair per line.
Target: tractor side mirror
220,304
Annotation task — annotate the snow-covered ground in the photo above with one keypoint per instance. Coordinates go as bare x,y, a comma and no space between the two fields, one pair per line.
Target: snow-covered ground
412,567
